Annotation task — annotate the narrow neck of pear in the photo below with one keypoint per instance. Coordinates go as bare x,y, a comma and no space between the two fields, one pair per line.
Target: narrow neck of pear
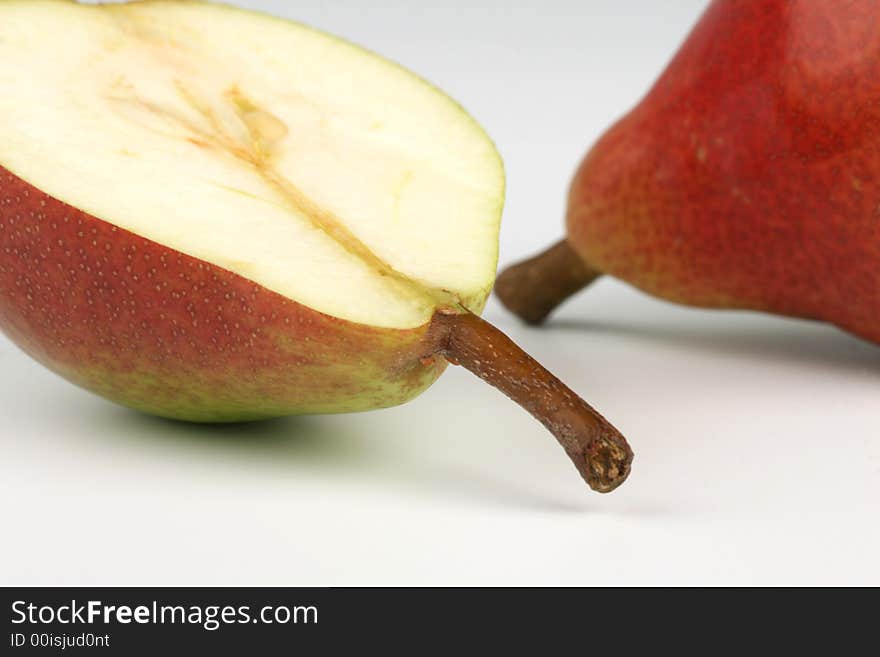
533,288
599,452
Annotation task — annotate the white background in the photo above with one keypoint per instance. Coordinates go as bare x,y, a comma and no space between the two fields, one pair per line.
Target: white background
757,439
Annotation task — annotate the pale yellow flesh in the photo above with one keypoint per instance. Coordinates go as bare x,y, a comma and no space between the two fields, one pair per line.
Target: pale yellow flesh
303,163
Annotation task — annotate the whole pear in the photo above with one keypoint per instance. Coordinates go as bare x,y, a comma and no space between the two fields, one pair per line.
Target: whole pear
748,177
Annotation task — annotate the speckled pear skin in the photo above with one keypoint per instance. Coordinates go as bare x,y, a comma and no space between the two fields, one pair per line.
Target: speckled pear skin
749,176
151,328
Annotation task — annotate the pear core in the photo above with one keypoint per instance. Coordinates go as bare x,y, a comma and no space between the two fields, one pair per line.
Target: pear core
305,164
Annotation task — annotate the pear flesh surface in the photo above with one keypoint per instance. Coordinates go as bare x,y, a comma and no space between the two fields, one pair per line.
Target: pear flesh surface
305,164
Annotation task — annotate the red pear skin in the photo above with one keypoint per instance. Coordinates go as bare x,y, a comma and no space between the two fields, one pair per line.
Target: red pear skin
748,177
151,328
154,329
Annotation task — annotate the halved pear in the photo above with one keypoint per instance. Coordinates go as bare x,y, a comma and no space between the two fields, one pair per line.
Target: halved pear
216,215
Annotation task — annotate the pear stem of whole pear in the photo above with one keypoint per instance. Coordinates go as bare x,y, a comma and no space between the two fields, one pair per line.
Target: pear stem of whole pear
533,288
599,452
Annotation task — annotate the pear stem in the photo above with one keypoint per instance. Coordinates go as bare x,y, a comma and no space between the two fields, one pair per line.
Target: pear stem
598,451
533,288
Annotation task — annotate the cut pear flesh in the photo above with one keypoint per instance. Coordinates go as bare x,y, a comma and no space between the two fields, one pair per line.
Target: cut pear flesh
303,163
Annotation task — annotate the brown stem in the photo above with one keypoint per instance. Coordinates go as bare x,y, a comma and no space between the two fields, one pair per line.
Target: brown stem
598,451
534,287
